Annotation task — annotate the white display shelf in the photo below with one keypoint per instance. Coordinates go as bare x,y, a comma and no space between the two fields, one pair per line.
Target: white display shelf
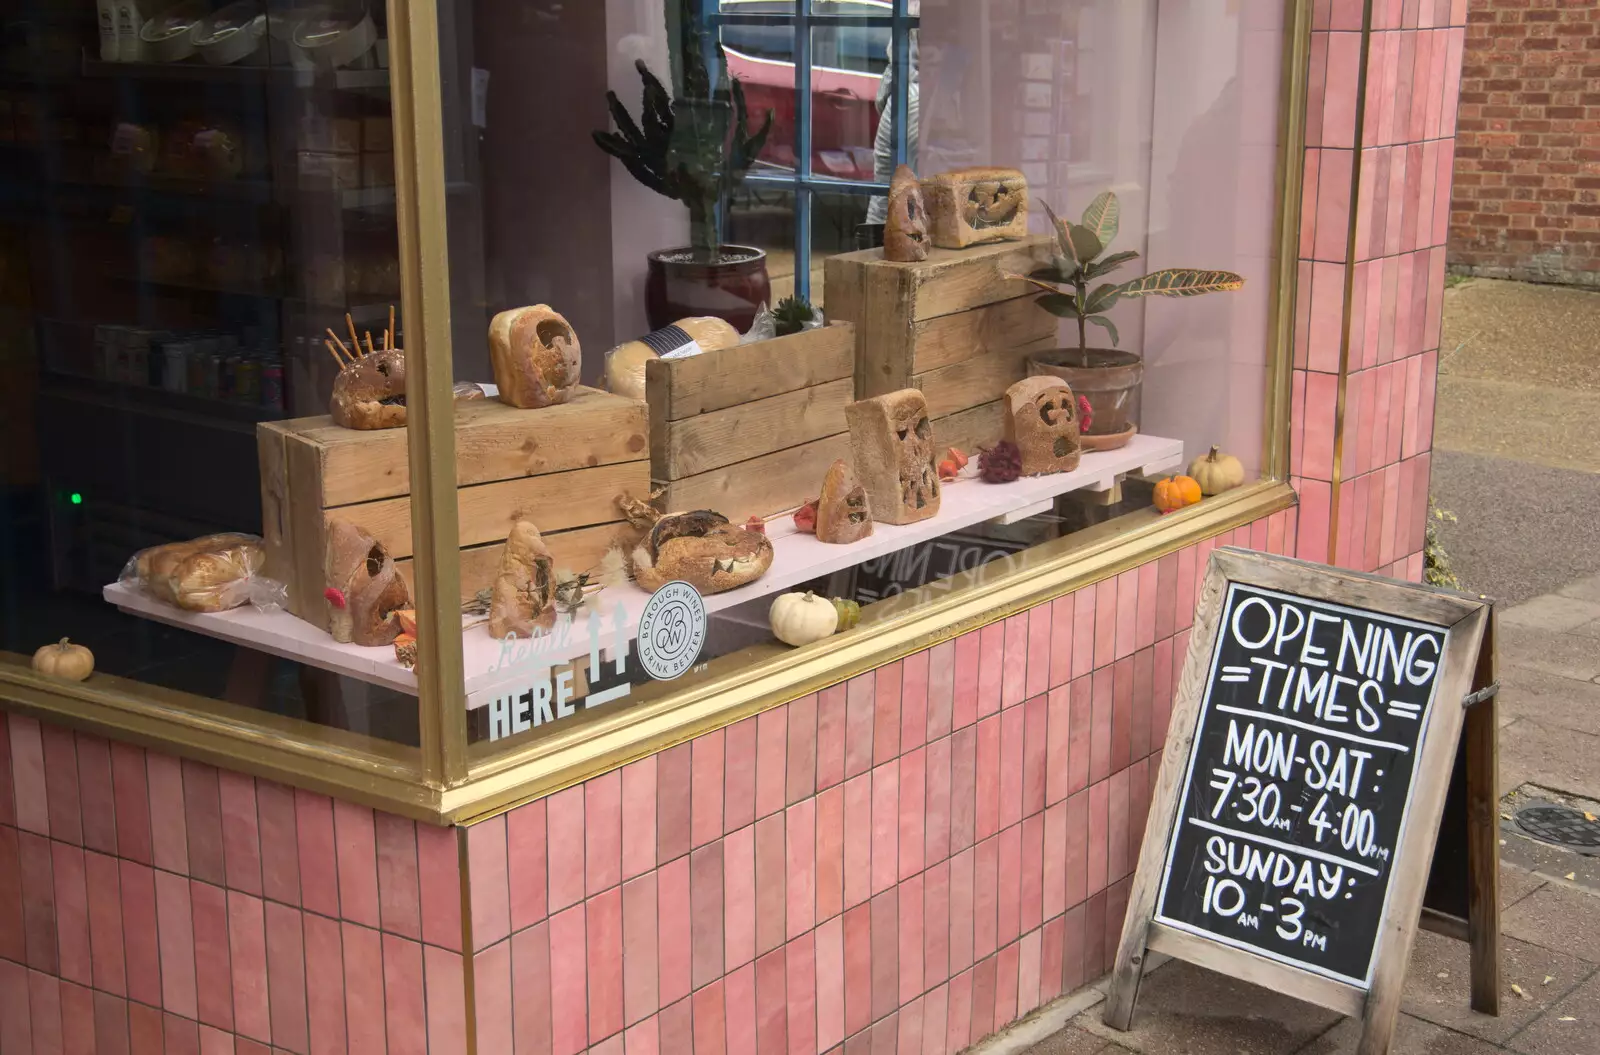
798,558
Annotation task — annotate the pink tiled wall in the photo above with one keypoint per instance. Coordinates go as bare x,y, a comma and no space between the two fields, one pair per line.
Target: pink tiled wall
151,906
1402,215
902,863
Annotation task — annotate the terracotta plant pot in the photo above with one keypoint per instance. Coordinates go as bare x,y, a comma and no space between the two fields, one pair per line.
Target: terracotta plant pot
680,286
1108,378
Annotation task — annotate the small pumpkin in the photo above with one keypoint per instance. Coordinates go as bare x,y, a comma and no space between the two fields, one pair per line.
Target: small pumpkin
1216,472
64,660
801,618
1175,492
849,613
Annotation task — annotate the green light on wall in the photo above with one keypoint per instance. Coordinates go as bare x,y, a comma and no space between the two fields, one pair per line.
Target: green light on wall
76,499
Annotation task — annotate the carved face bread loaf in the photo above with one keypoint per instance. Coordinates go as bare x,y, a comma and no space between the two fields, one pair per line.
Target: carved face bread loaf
905,235
702,549
1042,420
536,356
524,591
365,589
891,443
371,393
976,205
844,514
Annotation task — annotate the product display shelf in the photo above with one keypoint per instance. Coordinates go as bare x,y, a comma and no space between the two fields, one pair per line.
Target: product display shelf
495,668
239,74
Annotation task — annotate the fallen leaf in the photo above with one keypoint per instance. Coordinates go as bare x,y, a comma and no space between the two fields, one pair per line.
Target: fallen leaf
1505,816
1442,974
1548,979
1591,818
1566,1018
1515,988
1570,875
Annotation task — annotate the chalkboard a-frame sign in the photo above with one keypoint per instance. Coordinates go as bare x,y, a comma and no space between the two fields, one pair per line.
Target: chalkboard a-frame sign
1313,738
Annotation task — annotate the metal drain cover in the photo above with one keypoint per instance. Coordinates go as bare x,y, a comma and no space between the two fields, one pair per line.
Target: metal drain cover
1561,826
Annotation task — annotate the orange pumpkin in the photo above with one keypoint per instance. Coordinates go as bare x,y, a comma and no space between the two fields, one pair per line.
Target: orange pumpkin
1176,492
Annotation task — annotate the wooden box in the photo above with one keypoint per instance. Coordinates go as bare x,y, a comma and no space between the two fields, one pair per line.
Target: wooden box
562,467
751,430
949,325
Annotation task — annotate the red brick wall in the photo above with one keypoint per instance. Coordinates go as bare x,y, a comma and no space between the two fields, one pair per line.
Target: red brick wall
1527,178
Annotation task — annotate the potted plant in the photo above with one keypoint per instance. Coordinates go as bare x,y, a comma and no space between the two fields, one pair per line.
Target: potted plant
694,146
1107,377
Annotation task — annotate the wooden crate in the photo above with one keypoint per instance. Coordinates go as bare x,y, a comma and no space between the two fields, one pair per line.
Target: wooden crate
562,467
751,430
949,325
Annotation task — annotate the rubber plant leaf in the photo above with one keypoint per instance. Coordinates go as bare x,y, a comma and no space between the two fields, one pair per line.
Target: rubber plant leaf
1110,327
1063,305
1109,264
1069,252
1101,217
1181,282
1102,297
1085,244
1033,280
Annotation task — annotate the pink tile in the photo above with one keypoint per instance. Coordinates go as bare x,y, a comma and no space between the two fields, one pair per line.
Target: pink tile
492,999
1122,713
44,1013
912,807
140,933
1190,572
1014,661
202,805
1101,747
710,1021
169,842
771,1005
962,910
965,680
439,882
212,959
739,775
175,934
800,849
800,767
357,850
241,836
1012,759
399,900
1161,689
676,1029
739,1004
963,788
885,826
738,898
985,897
676,933
1056,743
909,932
1077,849
983,994
1105,622
914,700
1058,661
706,913
319,873
674,768
705,795
8,805
643,1039
16,1029
280,850
1007,977
1054,861
1143,693
1038,650
941,689
1032,874
1327,314
886,713
857,968
910,1033
1316,88
247,956
987,813
72,913
104,920
1080,734
111,1026
286,977
1312,543
803,973
1099,835
564,852
1309,179
1083,627
325,994
832,717
364,997
771,896
935,958
772,744
1127,612
446,1002
1144,634
830,830
62,807
1119,855
568,986
936,813
885,954
1008,878
640,952
1302,314
77,1021
531,1012
93,789
144,1030
602,831
490,883
858,827
991,667
605,938
861,696
182,1036
831,984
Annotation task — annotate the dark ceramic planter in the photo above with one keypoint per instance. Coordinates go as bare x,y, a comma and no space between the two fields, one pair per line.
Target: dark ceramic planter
679,287
1108,378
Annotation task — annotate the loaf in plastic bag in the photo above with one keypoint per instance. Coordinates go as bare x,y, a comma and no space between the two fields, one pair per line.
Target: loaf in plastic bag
212,573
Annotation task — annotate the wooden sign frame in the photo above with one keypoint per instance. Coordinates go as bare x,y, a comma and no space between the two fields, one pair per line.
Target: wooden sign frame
1465,673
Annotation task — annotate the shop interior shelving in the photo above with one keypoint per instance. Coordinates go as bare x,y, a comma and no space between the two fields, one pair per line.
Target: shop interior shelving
799,558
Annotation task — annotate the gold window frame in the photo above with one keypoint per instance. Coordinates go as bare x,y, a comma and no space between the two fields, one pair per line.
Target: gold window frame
440,782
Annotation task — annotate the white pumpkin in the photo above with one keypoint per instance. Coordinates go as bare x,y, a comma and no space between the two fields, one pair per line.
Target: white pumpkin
65,660
801,618
1216,472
